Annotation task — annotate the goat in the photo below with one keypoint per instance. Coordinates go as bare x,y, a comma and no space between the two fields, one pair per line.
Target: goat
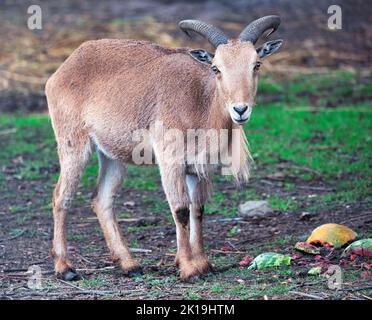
107,89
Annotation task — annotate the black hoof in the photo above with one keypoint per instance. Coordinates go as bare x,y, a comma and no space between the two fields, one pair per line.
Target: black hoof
193,279
136,272
68,275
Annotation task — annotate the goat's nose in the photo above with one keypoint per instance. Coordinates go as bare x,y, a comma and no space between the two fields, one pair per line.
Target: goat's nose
240,109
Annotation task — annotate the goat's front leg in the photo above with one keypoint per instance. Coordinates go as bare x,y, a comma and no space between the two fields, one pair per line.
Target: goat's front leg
173,180
198,190
199,257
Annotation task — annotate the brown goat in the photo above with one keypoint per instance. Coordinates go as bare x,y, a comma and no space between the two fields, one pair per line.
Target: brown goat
109,89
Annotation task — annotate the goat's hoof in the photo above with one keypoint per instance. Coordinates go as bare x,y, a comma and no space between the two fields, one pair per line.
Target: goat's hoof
203,265
136,272
133,271
68,275
189,273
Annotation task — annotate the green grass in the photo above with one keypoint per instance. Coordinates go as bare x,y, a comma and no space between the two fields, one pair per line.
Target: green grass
287,204
94,283
334,143
192,295
76,237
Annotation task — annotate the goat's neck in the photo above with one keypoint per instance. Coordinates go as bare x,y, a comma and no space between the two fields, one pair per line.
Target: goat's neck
218,118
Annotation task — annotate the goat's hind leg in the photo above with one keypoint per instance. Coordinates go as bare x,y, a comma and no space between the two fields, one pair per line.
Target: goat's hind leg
72,161
110,178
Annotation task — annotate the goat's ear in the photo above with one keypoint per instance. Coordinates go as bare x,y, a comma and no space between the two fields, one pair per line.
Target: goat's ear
268,48
202,56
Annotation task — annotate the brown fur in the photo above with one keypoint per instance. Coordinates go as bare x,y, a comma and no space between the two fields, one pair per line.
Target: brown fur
107,89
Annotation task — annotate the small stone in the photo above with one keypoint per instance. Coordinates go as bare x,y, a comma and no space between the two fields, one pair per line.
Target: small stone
129,204
258,208
305,215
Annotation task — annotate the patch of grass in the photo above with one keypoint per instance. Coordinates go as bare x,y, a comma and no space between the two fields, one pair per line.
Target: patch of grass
138,229
233,231
17,209
134,244
281,204
336,143
25,218
192,295
16,231
220,204
157,205
94,283
269,86
144,178
76,237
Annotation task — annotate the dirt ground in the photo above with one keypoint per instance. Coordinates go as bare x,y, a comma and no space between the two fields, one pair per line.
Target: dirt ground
156,235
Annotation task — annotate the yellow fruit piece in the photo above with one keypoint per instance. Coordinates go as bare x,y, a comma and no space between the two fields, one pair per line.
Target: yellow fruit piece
333,234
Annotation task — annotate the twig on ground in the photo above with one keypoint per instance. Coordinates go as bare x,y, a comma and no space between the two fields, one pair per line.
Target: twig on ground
293,166
315,188
228,252
224,220
83,258
307,295
139,250
357,289
96,269
272,184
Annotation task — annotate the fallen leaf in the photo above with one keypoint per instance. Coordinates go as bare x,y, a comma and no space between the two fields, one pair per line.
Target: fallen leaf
332,234
270,259
315,271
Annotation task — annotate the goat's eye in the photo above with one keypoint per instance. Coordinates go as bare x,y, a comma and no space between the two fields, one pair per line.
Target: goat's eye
215,69
257,66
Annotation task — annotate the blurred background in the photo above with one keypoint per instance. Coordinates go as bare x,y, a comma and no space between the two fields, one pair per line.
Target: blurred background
28,57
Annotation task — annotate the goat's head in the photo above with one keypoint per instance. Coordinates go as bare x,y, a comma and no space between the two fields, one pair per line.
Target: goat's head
236,62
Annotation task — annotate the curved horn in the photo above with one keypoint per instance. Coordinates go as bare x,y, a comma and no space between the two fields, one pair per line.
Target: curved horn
214,35
256,28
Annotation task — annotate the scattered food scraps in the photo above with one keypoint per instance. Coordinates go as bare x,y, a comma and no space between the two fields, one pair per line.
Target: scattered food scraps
307,248
332,234
245,261
362,247
270,259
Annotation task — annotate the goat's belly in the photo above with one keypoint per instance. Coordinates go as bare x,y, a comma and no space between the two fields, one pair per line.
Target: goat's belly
124,148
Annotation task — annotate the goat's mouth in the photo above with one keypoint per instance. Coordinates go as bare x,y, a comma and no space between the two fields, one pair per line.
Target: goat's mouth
240,120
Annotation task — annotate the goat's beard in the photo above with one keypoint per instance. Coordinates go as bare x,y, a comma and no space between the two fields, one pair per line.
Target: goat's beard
241,157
